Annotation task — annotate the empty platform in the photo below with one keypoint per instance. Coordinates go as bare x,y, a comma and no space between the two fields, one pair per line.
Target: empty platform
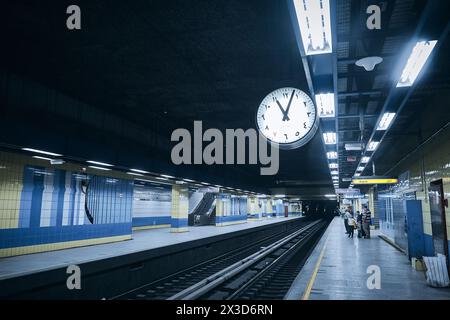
151,254
337,270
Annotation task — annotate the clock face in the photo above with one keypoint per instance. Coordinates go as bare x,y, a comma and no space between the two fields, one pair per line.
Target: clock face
288,117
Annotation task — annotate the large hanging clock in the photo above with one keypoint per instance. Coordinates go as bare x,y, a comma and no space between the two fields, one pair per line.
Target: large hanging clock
287,117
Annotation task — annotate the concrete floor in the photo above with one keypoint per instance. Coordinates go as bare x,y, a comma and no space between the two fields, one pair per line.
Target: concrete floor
142,240
341,274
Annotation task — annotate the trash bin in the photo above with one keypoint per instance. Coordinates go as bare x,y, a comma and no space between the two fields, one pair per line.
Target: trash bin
436,271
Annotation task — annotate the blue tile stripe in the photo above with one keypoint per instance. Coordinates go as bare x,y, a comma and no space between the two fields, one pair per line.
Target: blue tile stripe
36,200
224,219
179,222
10,238
26,198
150,221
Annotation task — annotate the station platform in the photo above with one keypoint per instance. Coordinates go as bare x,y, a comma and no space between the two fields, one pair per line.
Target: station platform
149,254
142,240
337,270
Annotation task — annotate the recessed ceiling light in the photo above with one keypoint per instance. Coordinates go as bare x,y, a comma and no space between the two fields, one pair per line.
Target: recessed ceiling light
386,120
333,165
415,63
135,174
372,146
139,171
365,159
329,137
42,152
315,25
42,158
325,105
99,168
100,163
332,155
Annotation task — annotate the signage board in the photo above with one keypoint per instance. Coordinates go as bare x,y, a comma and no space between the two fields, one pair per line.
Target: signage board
374,180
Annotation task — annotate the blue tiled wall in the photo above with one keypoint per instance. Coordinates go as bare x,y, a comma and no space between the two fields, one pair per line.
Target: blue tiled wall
42,205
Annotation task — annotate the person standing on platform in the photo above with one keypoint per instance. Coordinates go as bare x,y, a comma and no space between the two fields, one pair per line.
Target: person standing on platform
367,217
347,215
351,227
359,222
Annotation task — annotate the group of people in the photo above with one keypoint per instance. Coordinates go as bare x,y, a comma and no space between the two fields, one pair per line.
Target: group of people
361,222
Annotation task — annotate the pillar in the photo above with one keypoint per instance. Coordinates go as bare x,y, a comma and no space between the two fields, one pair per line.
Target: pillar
253,208
220,210
180,208
269,209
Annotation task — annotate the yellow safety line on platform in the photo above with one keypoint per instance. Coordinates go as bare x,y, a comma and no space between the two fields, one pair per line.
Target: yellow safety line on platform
314,275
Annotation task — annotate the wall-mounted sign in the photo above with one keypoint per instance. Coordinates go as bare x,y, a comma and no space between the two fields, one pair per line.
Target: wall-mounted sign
348,191
374,180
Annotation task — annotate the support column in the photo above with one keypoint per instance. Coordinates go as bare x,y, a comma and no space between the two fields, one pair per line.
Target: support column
373,207
220,210
269,210
253,208
180,209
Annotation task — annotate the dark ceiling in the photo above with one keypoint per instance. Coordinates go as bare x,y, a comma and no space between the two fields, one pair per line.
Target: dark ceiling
117,88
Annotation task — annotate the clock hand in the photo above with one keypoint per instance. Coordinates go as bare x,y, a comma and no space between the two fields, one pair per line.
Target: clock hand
288,106
282,110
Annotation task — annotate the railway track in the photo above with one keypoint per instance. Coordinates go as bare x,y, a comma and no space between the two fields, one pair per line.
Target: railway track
261,270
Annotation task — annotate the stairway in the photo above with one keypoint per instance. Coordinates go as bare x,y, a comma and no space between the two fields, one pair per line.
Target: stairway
205,212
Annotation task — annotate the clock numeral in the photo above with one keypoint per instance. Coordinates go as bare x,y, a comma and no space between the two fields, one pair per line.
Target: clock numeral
297,134
267,127
265,118
274,133
304,125
308,113
285,95
286,136
304,102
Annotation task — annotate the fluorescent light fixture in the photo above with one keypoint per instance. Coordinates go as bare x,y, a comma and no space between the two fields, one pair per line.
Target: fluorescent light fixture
325,105
365,159
373,145
139,171
315,25
330,195
360,168
99,168
42,158
332,155
42,152
333,165
335,172
329,137
188,180
386,120
167,176
415,63
280,196
161,178
100,163
135,174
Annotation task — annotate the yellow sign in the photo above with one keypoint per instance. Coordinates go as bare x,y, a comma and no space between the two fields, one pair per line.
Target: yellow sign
375,181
